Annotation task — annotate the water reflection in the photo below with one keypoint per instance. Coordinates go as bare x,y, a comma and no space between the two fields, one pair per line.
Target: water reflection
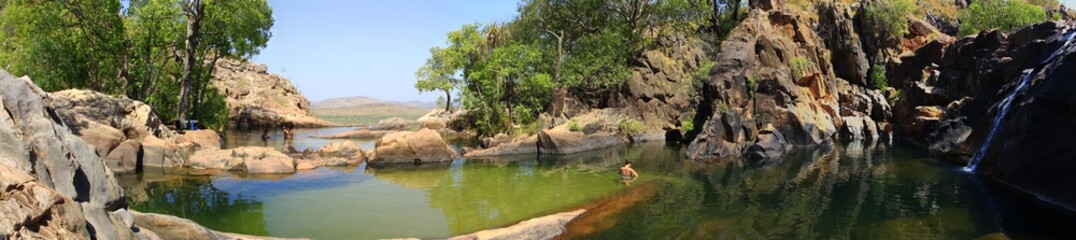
197,199
847,191
304,138
855,191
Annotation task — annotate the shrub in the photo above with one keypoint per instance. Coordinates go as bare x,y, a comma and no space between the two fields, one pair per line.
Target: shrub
751,83
878,78
801,66
687,126
629,126
888,18
1003,15
574,126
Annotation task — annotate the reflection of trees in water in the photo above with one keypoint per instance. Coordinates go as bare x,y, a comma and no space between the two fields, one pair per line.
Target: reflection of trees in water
856,192
198,200
485,195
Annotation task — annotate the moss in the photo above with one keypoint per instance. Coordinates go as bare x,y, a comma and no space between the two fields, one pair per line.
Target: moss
574,126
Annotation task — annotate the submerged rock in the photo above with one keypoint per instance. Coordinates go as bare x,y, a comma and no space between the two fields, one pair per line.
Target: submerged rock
170,227
546,227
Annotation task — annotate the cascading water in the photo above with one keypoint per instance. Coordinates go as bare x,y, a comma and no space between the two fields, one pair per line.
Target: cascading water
1003,106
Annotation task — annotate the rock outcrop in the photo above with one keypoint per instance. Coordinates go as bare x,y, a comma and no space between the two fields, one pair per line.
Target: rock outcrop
422,146
1017,87
775,69
248,159
125,132
260,99
53,184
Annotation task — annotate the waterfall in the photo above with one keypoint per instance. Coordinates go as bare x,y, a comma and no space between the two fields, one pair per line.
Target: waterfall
1003,106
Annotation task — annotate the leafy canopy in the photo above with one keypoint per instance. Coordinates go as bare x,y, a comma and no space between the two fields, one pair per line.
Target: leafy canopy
1004,15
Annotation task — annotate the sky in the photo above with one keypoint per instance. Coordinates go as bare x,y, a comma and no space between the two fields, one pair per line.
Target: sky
343,48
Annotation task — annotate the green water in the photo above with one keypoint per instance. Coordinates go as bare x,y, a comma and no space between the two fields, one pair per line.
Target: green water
840,192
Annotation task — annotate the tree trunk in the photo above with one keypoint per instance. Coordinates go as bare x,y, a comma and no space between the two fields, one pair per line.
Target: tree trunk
194,21
448,101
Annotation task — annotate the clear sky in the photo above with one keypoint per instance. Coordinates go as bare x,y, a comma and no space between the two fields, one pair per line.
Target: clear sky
343,48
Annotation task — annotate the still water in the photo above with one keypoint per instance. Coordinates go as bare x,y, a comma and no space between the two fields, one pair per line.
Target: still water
848,191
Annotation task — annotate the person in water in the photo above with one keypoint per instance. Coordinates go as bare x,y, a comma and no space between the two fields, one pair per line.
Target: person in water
627,173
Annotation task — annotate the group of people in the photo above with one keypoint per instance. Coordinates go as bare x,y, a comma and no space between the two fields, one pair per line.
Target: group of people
288,134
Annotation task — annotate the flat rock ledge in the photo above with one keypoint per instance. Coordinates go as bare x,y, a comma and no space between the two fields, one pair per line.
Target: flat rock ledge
540,228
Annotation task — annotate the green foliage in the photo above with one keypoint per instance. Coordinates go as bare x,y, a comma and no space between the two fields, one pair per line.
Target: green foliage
61,44
1004,15
888,17
687,126
574,126
801,67
878,77
134,50
505,73
213,112
752,81
629,126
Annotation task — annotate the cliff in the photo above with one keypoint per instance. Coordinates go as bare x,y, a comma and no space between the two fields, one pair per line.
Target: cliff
257,98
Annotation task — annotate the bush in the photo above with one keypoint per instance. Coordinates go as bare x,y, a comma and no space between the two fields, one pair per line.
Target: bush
801,66
878,78
574,126
1003,15
687,126
888,18
629,126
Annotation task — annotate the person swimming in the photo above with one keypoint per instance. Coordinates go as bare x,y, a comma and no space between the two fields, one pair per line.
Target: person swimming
627,173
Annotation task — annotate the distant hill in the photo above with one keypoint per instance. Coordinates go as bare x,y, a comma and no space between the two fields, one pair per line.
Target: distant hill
366,110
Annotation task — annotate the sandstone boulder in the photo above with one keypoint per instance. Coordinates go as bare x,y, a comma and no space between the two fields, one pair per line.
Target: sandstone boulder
247,159
84,109
769,147
504,145
203,139
396,124
55,185
126,157
563,141
422,146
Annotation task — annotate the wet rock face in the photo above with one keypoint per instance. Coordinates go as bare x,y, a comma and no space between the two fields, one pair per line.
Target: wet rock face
773,69
54,184
260,99
953,107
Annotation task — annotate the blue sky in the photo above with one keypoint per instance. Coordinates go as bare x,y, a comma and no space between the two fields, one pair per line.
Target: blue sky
341,48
